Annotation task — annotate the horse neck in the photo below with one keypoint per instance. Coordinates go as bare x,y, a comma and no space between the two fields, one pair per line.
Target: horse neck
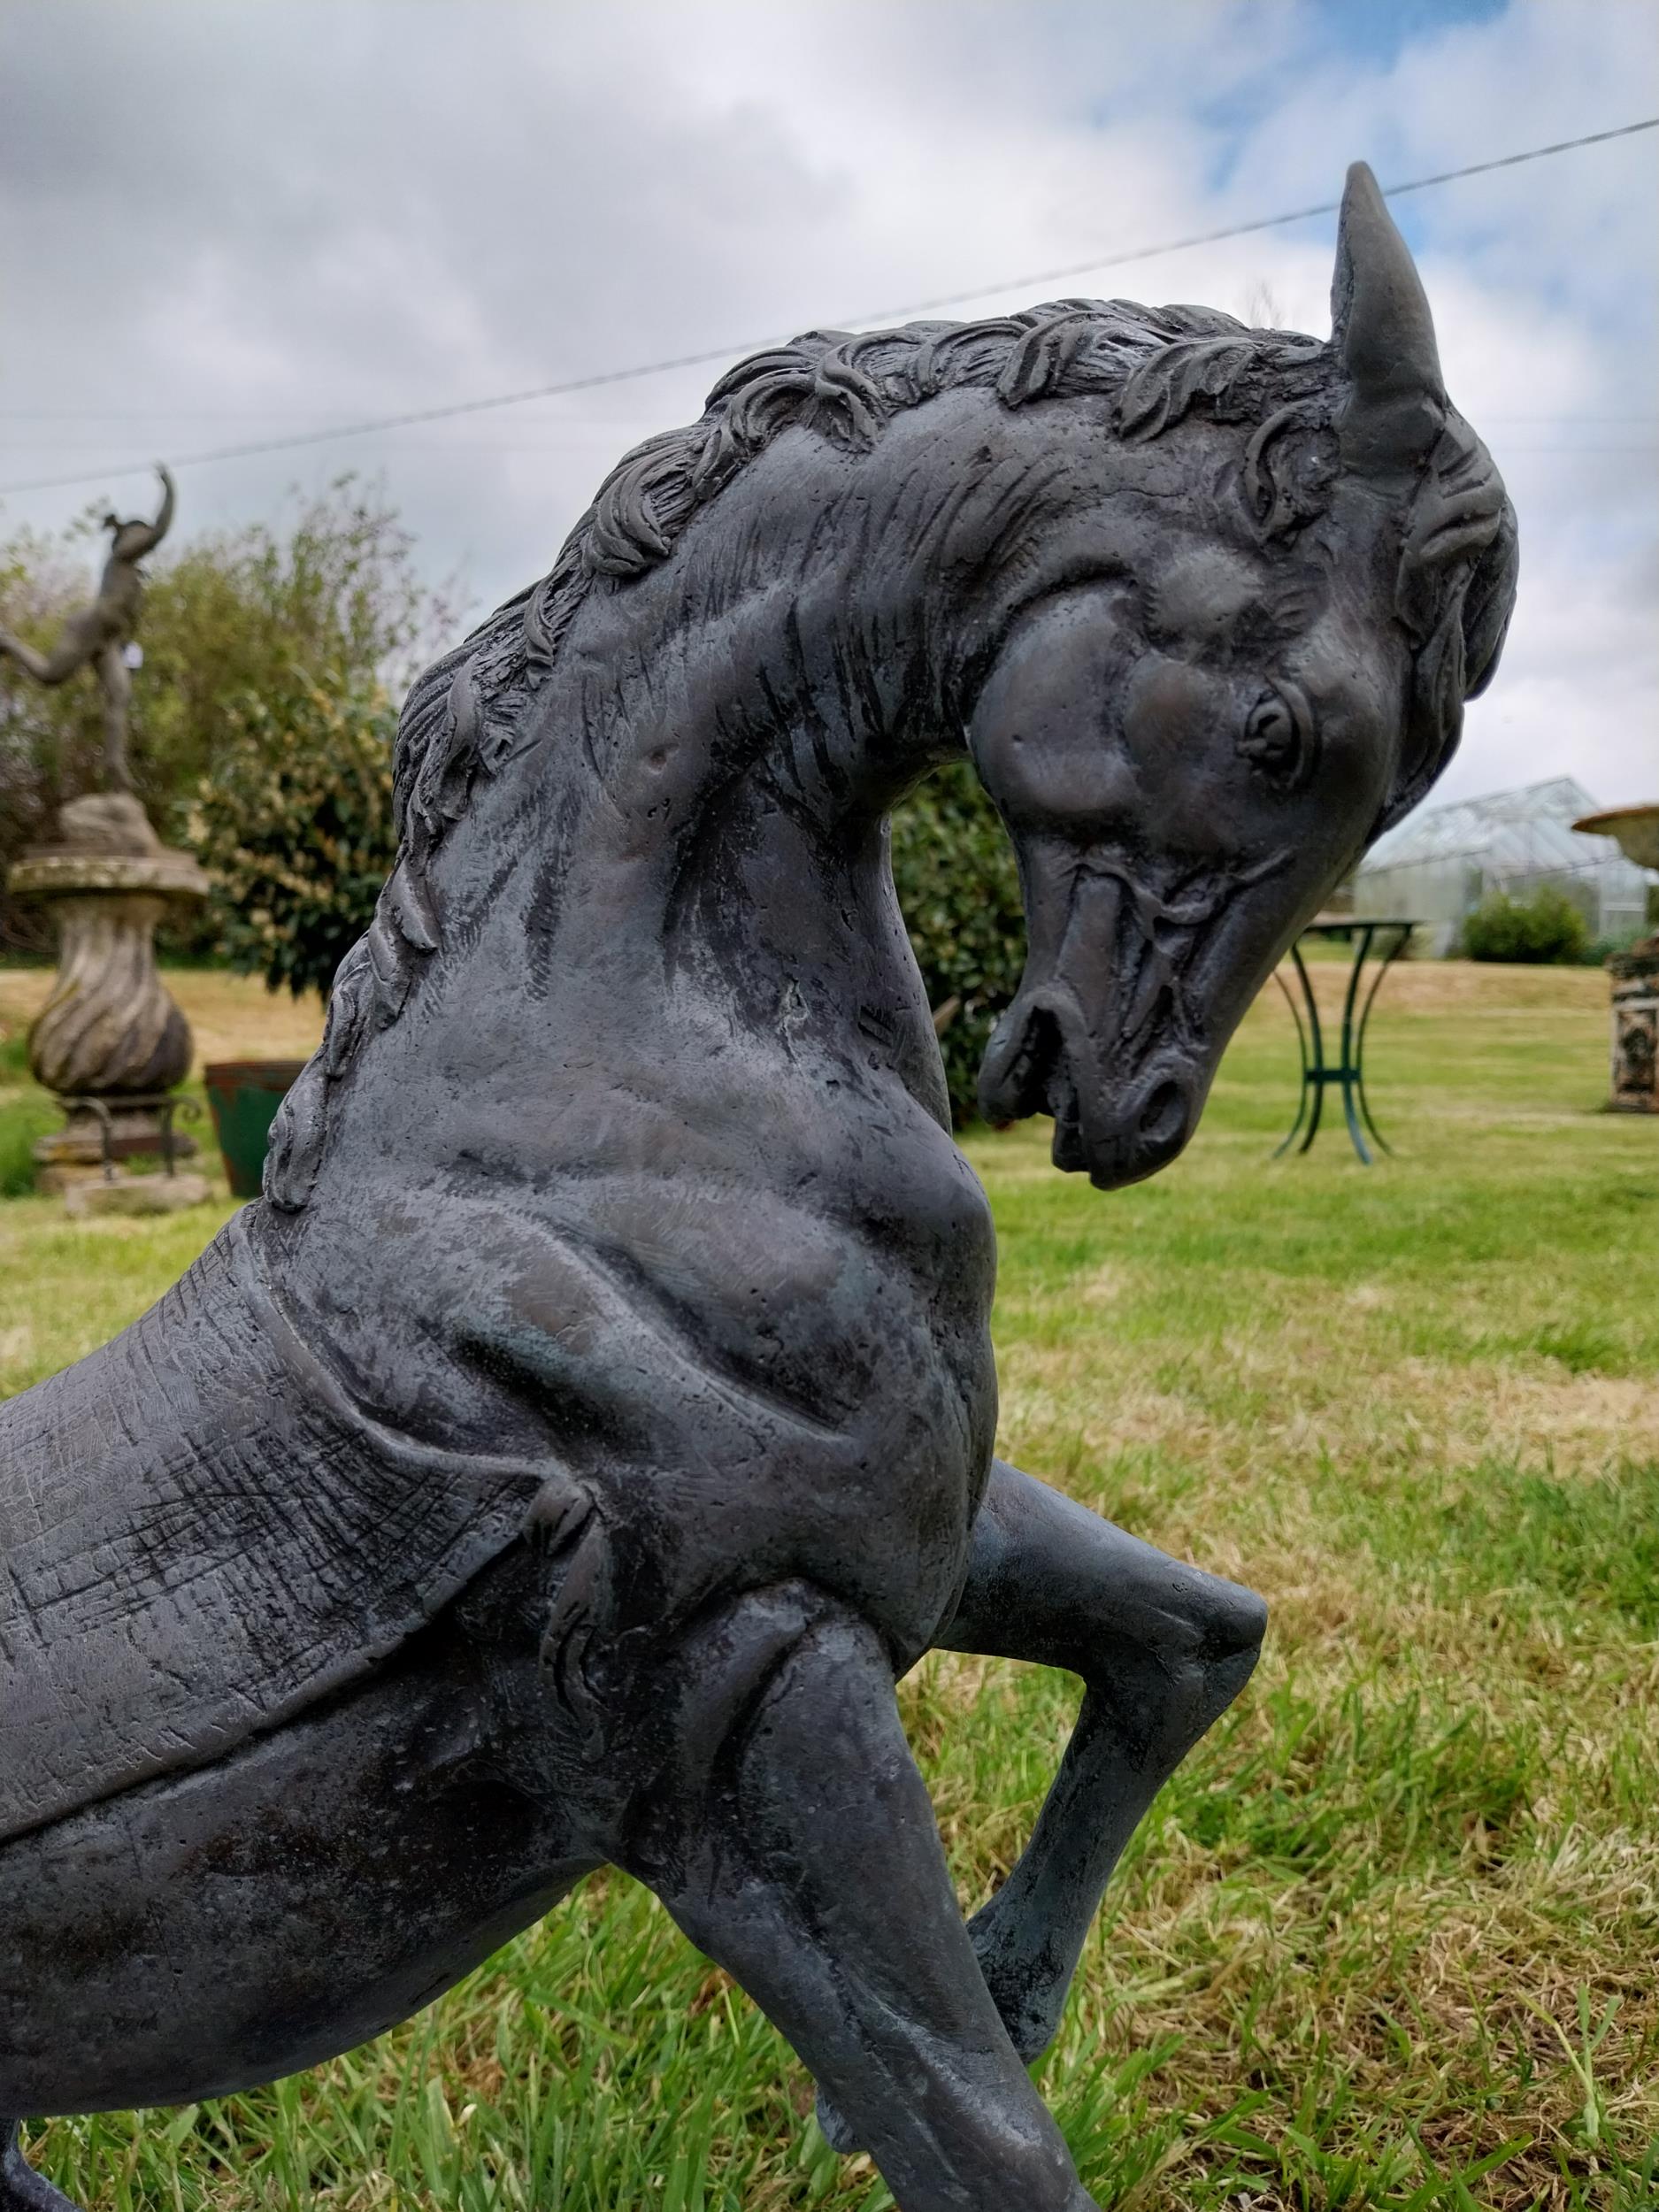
686,834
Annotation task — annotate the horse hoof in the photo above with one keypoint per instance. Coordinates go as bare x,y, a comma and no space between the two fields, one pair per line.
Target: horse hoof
837,2133
21,2188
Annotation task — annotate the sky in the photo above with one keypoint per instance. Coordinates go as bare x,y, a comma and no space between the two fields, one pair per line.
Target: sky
259,218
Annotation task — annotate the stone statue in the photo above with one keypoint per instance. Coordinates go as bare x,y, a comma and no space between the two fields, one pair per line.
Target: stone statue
110,1042
99,635
1634,973
562,1462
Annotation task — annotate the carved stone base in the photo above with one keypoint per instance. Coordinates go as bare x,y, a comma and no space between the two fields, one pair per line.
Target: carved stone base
1635,974
135,1195
133,1130
109,1041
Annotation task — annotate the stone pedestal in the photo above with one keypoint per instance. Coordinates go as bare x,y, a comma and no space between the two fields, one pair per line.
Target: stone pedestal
135,1195
109,1041
1635,974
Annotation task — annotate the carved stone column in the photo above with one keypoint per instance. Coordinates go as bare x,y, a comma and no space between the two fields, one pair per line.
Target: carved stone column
110,1042
1635,974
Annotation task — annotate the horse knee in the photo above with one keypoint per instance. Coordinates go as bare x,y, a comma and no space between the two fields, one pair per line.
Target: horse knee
1232,1621
1172,1662
1227,1624
1218,1624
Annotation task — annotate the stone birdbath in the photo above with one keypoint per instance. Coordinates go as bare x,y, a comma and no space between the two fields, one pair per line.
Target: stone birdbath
1635,974
110,1042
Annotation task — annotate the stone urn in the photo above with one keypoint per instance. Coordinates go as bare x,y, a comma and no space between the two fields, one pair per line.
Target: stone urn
1635,974
110,1042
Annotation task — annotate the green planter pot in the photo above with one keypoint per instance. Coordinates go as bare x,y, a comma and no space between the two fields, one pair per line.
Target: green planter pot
244,1095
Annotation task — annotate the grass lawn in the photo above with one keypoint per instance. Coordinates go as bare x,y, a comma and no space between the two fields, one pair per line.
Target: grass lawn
1392,1936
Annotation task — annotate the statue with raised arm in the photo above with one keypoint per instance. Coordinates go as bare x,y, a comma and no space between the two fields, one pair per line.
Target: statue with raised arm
97,637
110,1042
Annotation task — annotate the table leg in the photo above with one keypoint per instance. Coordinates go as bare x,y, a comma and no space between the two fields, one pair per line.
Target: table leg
1310,1045
1401,941
1348,1066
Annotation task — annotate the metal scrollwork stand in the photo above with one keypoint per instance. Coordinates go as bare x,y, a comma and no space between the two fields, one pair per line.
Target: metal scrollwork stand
1349,1069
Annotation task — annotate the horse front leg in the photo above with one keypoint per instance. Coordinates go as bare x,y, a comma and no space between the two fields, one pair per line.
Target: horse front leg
801,1854
1163,1650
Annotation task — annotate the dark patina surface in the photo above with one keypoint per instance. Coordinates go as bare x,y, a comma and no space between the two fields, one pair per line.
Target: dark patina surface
562,1462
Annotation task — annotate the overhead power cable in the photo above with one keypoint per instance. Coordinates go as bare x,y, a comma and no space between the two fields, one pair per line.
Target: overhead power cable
878,317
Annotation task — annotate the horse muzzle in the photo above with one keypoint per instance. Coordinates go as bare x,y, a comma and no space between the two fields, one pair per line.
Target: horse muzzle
1044,1058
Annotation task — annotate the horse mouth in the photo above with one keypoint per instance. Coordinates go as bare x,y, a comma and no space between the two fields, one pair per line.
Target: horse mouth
1113,1140
1107,1033
1028,1073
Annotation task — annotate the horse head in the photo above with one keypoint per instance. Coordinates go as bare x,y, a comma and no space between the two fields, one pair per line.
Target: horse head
1215,693
1206,602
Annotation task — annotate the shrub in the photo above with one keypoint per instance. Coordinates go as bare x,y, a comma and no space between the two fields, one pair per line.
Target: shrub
1544,930
333,588
1599,950
294,826
22,1121
959,891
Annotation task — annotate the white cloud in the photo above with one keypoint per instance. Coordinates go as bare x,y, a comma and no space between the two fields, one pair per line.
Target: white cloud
332,210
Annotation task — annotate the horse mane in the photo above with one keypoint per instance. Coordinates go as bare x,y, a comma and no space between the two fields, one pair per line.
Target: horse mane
466,715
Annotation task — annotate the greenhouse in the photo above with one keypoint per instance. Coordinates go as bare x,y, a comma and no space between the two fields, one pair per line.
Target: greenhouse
1437,866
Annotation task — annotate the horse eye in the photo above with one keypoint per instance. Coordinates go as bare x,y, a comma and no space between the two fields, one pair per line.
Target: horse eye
1277,738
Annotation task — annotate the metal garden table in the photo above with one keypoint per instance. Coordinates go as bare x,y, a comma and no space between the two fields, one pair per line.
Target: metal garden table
1348,1068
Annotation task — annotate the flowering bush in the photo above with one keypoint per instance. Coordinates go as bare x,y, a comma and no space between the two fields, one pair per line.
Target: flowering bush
1547,929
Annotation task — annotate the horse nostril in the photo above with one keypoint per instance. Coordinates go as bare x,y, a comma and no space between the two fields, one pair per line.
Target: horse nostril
1163,1117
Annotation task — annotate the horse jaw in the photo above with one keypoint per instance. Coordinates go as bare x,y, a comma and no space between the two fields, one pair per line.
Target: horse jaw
1131,990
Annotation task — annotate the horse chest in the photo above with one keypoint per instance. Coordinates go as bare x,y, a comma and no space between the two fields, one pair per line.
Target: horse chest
754,1379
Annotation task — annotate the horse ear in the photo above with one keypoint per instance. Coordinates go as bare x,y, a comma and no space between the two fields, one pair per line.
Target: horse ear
1384,336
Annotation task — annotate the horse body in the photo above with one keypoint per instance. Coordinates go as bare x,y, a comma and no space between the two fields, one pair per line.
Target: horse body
692,1226
285,1902
755,1364
561,1463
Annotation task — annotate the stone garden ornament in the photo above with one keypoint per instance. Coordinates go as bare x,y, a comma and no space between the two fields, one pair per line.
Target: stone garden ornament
100,637
564,1461
110,1042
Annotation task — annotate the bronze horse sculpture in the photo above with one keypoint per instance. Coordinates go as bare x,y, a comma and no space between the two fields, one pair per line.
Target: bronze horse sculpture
561,1463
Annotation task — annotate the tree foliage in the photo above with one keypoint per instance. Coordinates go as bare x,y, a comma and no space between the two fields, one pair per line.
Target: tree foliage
1545,930
295,825
959,890
331,597
262,738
